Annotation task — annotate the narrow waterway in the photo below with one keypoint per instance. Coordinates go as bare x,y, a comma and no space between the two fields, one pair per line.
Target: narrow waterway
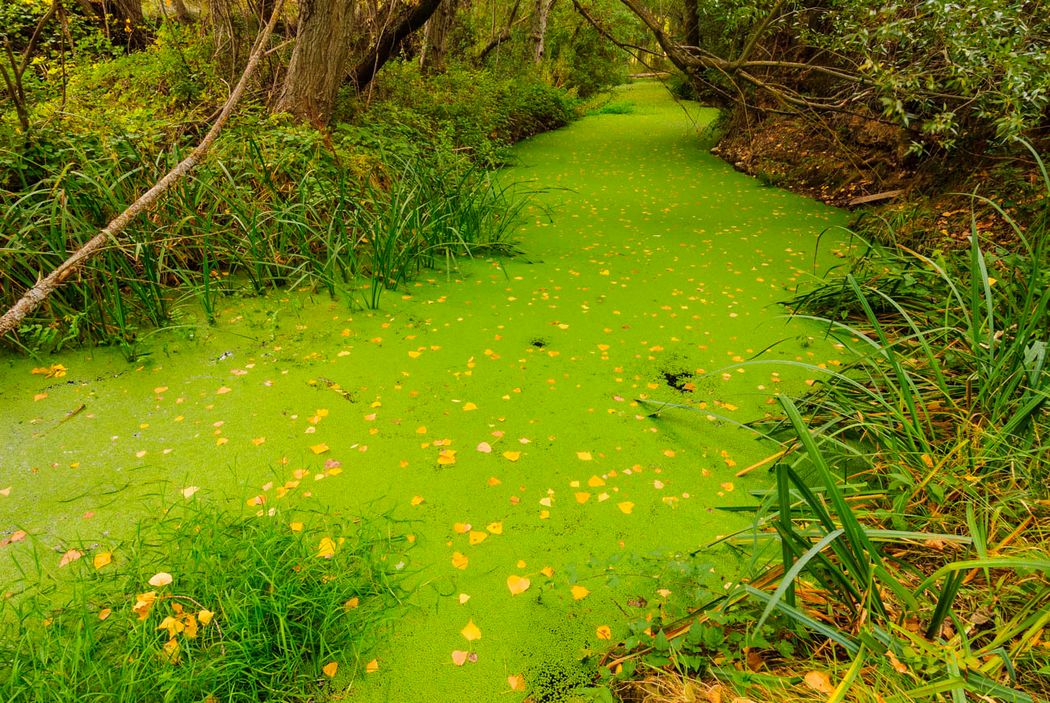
503,395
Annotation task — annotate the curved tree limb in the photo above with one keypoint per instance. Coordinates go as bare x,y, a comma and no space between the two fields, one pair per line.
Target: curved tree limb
35,296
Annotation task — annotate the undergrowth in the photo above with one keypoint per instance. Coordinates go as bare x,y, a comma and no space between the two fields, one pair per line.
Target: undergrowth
200,605
401,184
903,552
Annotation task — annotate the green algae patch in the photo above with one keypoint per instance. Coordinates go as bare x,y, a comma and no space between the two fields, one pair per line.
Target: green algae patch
540,428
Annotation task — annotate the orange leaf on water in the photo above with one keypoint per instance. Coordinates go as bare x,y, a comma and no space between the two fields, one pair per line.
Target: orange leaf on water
69,557
516,682
319,448
579,592
372,667
604,632
459,560
459,657
625,507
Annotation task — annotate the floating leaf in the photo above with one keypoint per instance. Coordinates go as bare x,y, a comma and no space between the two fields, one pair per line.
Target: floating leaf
584,456
604,632
319,448
579,592
477,537
461,528
188,491
518,584
495,528
516,682
625,507
459,560
447,457
295,526
484,447
417,500
469,406
511,456
372,667
471,632
459,657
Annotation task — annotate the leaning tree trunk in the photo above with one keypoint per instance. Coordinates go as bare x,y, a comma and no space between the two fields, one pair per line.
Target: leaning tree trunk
691,23
435,37
318,65
411,18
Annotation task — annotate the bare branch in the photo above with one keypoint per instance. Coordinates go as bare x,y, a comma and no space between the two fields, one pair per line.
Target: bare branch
36,295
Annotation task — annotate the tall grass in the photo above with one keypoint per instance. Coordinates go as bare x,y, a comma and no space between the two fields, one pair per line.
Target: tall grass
255,610
904,545
284,213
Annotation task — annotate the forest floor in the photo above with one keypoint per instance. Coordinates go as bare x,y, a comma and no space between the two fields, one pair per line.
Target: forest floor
499,412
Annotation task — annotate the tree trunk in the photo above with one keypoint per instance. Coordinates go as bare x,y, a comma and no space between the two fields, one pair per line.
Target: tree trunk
318,65
539,29
691,23
435,37
411,18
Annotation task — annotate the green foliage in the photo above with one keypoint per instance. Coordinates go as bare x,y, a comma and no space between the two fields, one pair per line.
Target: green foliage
253,612
394,189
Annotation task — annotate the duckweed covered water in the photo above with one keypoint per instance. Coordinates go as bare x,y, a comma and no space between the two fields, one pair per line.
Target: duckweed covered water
493,411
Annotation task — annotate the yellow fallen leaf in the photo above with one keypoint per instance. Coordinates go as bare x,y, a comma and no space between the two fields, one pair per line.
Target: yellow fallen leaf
417,500
461,528
547,571
727,486
459,657
295,526
471,632
511,456
579,592
819,682
188,491
584,456
516,682
326,549
223,390
459,560
259,440
205,616
143,603
604,632
352,603
463,598
159,579
595,481
39,396
518,584
625,507
330,668
104,613
495,528
102,558
447,457
582,497
477,537
372,667
469,406
319,448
